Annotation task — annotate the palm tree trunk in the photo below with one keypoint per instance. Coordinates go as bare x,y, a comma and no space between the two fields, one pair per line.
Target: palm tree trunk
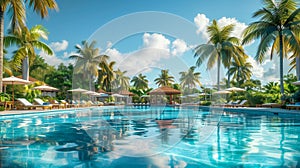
25,68
90,82
218,76
298,67
281,63
1,46
228,81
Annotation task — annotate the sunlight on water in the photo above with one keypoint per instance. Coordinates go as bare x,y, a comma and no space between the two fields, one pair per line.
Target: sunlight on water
149,137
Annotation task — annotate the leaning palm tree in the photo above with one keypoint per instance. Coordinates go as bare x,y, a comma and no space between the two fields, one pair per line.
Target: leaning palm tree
27,41
18,17
164,79
87,59
240,71
140,82
221,48
190,78
278,28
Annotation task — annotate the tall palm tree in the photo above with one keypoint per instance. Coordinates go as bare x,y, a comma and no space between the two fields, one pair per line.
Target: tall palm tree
221,48
121,81
240,71
27,41
278,28
107,75
190,78
18,17
88,59
140,82
164,78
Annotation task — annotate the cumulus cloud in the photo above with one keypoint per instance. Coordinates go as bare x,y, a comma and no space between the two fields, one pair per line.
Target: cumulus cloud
179,47
157,41
201,21
59,46
54,60
238,26
155,52
257,70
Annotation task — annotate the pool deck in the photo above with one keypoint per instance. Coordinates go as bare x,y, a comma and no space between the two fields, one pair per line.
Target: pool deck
256,110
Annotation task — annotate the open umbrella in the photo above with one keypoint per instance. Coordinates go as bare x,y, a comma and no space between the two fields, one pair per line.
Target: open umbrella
235,89
78,90
222,92
46,88
165,90
14,81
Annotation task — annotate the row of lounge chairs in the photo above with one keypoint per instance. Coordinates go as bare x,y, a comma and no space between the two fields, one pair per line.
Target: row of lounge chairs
237,103
22,103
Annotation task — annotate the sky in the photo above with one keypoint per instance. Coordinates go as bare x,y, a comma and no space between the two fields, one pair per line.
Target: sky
145,36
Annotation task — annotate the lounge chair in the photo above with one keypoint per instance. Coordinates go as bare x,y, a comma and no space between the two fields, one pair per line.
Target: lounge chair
271,105
295,106
241,104
232,103
24,104
54,105
67,105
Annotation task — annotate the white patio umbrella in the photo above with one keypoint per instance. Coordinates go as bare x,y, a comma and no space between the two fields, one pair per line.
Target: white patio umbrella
193,95
222,92
78,90
14,81
296,83
117,95
235,89
89,92
46,88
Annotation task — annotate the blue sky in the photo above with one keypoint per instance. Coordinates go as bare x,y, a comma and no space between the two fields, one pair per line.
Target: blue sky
149,49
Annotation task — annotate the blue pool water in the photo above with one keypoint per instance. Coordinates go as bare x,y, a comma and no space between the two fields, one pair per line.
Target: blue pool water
149,137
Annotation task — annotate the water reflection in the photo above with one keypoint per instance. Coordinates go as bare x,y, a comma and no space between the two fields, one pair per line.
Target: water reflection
146,137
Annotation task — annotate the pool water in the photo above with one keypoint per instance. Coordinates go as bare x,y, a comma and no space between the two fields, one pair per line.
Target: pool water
149,137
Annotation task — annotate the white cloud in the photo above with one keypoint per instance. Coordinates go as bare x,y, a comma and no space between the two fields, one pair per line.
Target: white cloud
157,41
238,26
59,46
202,22
179,47
54,60
155,50
109,44
257,70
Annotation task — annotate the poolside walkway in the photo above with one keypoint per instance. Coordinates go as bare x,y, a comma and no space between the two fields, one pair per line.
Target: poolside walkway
252,110
256,110
20,112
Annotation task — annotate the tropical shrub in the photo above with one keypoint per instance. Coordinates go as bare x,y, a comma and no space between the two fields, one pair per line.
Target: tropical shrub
4,97
255,98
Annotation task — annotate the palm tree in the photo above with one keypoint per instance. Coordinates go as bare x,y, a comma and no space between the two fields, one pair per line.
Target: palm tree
18,14
27,41
164,79
121,81
221,48
190,78
241,72
140,82
107,75
277,28
87,60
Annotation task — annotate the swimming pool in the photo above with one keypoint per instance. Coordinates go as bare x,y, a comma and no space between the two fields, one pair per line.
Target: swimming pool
149,137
